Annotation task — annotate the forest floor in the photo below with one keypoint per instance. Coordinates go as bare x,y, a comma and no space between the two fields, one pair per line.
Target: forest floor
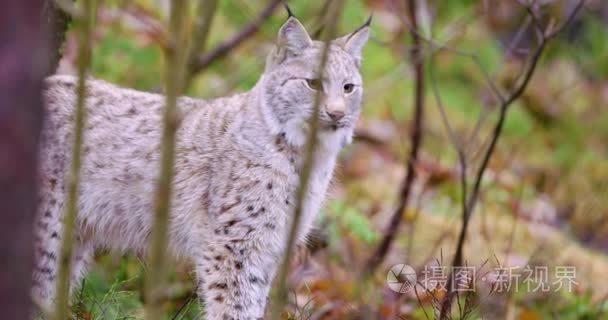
543,203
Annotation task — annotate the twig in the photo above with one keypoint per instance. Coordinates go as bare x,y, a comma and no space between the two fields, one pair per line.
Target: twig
416,141
321,19
412,224
174,73
435,46
504,107
181,309
85,25
311,142
205,12
224,48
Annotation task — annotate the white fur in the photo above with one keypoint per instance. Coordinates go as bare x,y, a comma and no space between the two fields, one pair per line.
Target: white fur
236,172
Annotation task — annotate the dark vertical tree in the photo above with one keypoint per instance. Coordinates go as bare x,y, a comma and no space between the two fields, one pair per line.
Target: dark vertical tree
23,64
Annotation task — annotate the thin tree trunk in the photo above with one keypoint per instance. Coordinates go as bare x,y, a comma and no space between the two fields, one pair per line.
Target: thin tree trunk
23,61
85,27
280,297
174,79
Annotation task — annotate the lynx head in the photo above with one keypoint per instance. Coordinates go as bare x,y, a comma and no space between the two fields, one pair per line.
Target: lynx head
291,81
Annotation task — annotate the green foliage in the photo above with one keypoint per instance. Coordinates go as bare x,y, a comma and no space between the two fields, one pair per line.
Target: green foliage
571,306
518,124
118,58
349,221
100,300
592,55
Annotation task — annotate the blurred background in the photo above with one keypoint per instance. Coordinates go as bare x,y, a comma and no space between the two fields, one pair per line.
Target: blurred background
543,201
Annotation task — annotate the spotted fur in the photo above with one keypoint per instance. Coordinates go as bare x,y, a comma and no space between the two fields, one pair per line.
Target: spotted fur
236,170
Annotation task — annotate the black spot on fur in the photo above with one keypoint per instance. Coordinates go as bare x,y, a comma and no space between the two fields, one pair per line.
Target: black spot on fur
229,248
232,205
45,270
218,285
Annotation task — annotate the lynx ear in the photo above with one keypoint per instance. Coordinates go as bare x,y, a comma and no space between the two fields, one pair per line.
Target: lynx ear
293,38
354,42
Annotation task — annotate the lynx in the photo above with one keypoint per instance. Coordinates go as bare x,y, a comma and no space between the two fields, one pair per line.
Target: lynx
237,169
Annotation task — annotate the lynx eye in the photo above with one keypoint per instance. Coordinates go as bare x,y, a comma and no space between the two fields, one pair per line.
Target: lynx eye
349,87
314,84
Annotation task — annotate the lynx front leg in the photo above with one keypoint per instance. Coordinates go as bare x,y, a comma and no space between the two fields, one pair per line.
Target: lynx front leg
235,278
49,232
45,273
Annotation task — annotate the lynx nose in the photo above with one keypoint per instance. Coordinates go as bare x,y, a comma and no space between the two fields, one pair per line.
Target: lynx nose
336,115
335,108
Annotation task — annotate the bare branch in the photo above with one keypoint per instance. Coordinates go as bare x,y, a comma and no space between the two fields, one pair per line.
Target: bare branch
444,118
224,48
568,20
504,107
174,74
85,26
281,293
205,12
416,141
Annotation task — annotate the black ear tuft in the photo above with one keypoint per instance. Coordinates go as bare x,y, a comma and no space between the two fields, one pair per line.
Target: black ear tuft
353,42
367,23
369,20
289,13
